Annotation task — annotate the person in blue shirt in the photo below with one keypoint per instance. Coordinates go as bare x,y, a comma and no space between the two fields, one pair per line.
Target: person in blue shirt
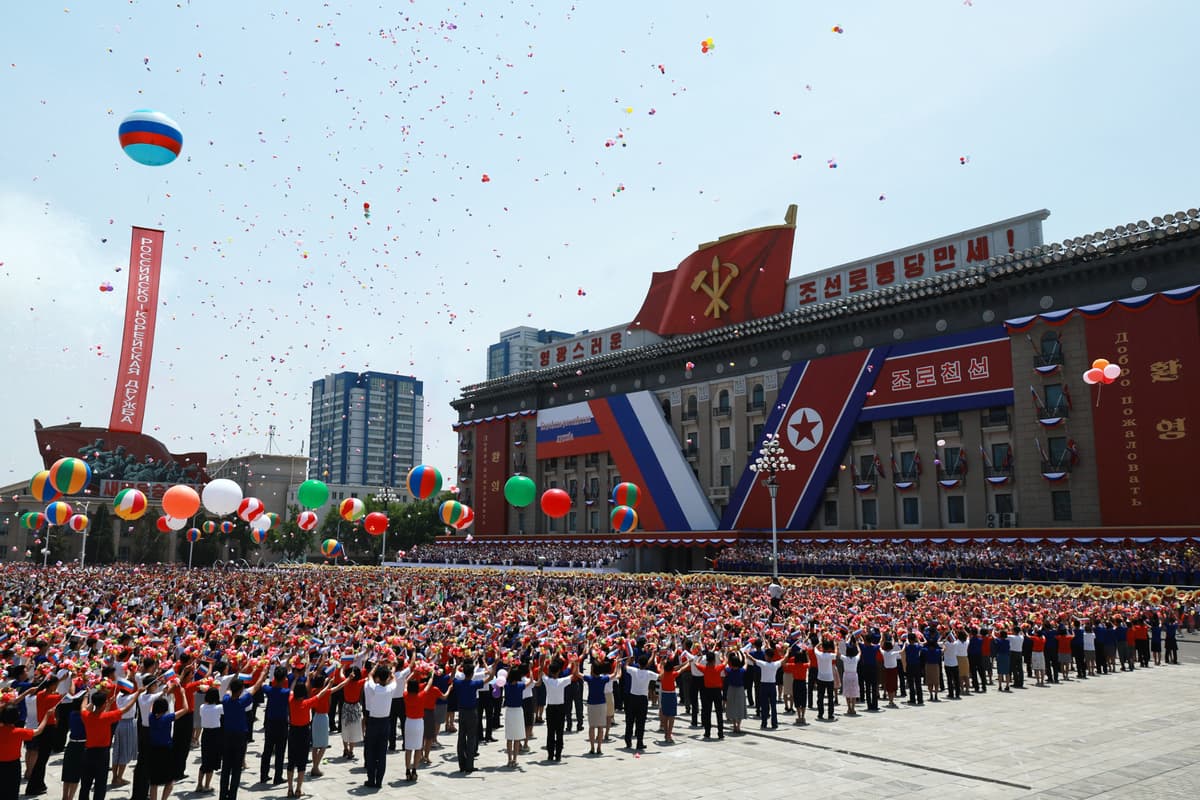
868,671
1156,639
931,654
597,705
162,764
1002,650
914,663
1170,632
466,688
275,726
235,724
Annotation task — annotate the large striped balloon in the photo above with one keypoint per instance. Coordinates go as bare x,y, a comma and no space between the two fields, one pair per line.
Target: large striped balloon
227,527
209,527
351,509
57,513
150,137
307,520
331,547
33,520
70,475
192,535
78,523
130,504
625,494
451,512
251,508
42,489
465,521
259,535
424,481
623,519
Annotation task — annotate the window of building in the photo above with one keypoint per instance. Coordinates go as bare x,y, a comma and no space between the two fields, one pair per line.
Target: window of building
521,522
666,407
551,524
593,522
870,512
1000,455
830,517
723,400
1056,403
758,397
1058,450
572,522
904,426
756,434
726,475
594,486
1004,504
997,415
692,404
1051,344
1060,503
908,463
864,430
951,458
866,467
956,509
911,511
725,436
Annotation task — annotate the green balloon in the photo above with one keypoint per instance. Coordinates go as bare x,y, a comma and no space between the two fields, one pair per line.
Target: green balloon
312,494
520,490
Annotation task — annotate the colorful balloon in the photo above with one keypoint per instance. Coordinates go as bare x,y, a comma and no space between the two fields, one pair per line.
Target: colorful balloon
57,513
351,509
312,494
623,519
258,535
42,489
130,504
150,137
556,503
162,524
33,520
271,515
331,548
260,523
209,528
70,475
222,496
376,523
193,534
625,494
424,481
1100,363
519,490
307,520
180,502
226,527
78,523
467,519
251,508
451,511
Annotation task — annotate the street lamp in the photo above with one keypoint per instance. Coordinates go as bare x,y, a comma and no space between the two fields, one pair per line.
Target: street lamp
771,461
387,497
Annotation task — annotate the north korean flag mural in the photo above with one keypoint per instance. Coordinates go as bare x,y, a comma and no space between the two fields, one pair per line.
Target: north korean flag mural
818,404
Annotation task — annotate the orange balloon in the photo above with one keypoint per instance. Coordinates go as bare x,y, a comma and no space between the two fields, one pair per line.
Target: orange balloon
180,502
1100,363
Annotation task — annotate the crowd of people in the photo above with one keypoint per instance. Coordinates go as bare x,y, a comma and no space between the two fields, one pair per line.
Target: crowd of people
168,670
477,553
1157,563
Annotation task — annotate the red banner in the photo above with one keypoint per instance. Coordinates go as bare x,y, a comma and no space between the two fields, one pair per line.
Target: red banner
491,471
731,280
137,344
962,368
1147,431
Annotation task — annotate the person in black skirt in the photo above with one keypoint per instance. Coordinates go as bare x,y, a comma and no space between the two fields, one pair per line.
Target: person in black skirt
212,740
162,762
76,743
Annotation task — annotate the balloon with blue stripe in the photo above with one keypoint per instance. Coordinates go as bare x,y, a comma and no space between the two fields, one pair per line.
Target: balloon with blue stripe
150,137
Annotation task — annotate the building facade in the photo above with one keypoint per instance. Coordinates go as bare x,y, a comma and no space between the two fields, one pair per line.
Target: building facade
939,386
517,349
366,429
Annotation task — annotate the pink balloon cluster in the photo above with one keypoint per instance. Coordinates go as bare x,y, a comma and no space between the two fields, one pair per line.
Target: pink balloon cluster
1101,372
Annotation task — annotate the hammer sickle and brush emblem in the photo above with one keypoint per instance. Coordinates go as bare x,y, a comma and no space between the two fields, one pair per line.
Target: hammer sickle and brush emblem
715,290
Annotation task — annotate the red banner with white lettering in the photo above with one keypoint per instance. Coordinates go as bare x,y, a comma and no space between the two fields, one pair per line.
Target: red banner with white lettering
137,343
1146,425
491,471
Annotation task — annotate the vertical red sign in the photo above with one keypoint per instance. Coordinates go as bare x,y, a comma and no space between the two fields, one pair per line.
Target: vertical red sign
137,343
1146,424
491,471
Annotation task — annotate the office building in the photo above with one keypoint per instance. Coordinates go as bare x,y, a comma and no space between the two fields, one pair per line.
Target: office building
517,348
366,428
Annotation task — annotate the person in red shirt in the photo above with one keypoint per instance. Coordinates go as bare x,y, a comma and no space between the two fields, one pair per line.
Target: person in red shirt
12,736
713,670
416,698
299,743
98,722
668,705
1038,661
797,667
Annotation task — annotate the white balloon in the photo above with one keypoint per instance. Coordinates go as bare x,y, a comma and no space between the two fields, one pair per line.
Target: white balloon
1112,372
174,524
221,496
261,523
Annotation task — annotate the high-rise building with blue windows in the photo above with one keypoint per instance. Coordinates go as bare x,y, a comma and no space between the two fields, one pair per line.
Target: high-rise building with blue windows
517,348
366,428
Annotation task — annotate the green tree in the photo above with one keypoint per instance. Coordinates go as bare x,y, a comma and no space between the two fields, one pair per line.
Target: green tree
100,536
287,538
146,544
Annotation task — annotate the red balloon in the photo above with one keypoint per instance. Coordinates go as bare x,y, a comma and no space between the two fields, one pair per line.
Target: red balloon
556,503
376,523
1093,376
161,524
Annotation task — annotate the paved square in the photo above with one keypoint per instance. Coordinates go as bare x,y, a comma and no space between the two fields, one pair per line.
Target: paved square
1124,735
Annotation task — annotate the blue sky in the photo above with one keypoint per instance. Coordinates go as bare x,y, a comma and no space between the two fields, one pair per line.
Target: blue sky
295,114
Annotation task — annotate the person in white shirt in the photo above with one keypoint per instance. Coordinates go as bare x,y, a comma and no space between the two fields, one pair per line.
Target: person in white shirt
767,681
950,664
556,702
826,656
637,702
211,739
378,692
